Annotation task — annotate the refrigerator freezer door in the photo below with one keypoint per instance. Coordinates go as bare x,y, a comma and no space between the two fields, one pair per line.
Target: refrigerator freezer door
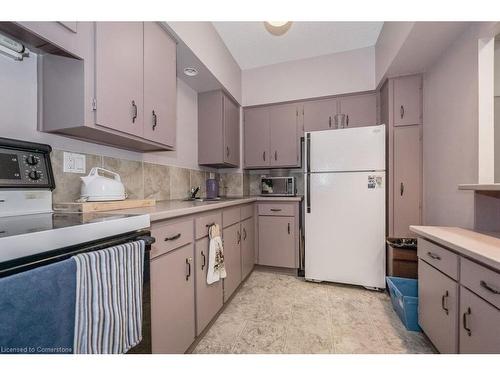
345,228
356,149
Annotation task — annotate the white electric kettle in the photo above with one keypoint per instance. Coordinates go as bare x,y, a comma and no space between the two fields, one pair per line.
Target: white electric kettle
96,188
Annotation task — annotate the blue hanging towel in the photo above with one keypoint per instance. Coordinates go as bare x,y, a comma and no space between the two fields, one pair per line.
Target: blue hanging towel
37,310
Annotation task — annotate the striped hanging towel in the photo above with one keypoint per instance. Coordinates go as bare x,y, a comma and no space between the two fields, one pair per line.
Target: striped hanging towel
108,311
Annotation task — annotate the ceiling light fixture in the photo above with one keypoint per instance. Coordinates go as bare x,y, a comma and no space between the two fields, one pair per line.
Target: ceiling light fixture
190,72
277,28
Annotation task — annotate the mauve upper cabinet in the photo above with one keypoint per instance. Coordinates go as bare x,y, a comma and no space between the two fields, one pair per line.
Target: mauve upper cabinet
358,110
408,100
218,130
119,88
271,137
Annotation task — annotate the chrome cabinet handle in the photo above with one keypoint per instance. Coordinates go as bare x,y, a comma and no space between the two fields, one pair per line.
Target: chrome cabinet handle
155,120
401,189
275,155
329,121
176,237
204,260
288,228
402,111
464,321
134,111
433,256
244,234
275,209
444,302
347,121
264,156
239,237
489,288
188,263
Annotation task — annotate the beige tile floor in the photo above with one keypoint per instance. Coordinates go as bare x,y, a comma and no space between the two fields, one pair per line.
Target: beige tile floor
274,313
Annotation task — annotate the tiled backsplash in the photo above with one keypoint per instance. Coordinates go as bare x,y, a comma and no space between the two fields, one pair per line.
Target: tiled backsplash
141,179
160,182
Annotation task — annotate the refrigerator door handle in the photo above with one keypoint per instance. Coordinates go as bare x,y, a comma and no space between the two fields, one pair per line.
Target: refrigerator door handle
308,154
308,194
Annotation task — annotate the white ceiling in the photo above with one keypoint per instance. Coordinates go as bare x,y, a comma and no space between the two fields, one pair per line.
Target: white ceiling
252,46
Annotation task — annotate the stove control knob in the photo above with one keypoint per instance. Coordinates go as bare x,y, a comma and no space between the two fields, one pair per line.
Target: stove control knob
34,175
32,160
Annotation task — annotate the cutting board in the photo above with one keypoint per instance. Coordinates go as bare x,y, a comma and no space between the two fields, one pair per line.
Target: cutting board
85,207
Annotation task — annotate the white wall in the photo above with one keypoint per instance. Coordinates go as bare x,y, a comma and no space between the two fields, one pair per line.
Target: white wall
389,42
450,144
333,74
18,109
207,45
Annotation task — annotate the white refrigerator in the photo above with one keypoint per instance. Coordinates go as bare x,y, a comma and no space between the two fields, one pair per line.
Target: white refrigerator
345,206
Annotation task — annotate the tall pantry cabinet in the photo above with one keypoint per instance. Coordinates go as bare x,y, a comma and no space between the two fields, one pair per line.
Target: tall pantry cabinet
401,111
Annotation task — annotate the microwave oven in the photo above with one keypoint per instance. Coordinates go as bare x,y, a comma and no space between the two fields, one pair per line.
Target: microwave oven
278,186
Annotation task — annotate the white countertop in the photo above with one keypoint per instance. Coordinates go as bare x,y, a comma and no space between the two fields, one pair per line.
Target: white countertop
481,247
175,208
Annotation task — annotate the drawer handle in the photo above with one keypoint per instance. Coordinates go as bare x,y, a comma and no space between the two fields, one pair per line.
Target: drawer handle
188,264
288,228
244,234
464,321
444,302
433,256
276,209
209,225
176,237
489,288
204,260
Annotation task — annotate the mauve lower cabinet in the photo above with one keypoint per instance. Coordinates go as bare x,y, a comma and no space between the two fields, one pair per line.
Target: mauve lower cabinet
218,130
119,88
459,301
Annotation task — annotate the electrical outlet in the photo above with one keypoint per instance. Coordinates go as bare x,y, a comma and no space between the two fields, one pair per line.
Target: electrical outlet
74,163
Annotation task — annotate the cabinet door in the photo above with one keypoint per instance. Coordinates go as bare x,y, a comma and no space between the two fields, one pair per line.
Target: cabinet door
119,76
208,297
407,179
247,246
277,241
320,114
232,259
257,137
479,325
231,132
359,110
172,301
438,307
160,85
407,102
284,140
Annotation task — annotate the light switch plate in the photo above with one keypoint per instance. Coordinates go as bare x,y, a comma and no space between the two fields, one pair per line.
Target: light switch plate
74,163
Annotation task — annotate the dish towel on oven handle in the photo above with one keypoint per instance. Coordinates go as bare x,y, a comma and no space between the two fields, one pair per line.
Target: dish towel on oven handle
216,268
108,311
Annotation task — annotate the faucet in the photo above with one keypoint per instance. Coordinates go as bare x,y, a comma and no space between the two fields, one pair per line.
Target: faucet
194,190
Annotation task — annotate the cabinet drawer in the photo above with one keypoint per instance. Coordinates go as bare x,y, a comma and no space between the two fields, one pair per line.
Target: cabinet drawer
481,280
444,260
276,209
246,211
171,236
230,216
203,222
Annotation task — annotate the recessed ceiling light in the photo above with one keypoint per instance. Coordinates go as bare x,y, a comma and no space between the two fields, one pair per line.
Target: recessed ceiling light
277,27
190,72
